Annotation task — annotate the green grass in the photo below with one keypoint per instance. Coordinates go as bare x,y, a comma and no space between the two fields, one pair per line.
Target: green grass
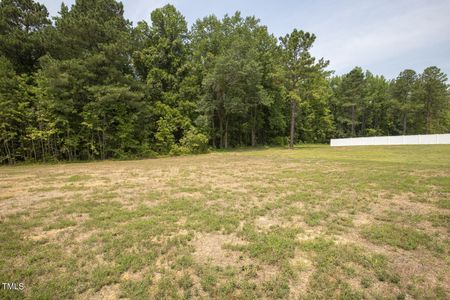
75,178
273,247
60,224
444,203
398,236
310,223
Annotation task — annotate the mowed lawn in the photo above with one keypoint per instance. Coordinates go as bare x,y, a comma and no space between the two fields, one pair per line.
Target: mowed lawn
311,223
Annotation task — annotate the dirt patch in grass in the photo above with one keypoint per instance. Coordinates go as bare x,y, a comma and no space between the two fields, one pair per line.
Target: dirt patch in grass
266,222
47,234
421,265
401,202
418,268
109,292
305,268
310,233
210,248
134,276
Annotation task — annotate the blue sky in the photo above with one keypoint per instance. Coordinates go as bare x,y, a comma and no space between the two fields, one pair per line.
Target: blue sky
383,36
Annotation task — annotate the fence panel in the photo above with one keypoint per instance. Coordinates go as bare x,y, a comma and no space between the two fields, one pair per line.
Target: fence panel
428,139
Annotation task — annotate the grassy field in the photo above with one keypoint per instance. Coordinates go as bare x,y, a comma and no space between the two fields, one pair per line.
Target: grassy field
311,223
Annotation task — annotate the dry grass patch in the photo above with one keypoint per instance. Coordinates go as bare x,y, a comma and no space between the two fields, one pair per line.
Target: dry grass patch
210,248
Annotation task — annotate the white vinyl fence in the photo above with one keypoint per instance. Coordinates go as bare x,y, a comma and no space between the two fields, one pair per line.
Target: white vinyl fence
429,139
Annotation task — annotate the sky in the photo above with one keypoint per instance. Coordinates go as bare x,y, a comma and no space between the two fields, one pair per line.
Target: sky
383,36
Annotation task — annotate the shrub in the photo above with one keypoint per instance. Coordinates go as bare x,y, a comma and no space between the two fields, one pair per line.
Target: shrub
164,136
374,132
195,142
179,150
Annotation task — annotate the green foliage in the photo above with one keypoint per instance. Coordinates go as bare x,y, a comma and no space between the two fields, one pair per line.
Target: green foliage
404,92
306,88
91,86
23,24
368,105
280,141
15,114
434,96
195,142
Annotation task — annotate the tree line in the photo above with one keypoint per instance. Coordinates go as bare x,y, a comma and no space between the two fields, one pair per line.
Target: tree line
90,85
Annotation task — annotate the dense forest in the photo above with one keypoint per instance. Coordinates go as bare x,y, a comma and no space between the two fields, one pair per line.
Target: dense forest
87,84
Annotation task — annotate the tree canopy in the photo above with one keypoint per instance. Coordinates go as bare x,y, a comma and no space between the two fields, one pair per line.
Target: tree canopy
90,85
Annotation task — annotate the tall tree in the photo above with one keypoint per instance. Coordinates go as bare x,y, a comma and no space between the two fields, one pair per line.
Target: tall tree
434,95
378,107
352,95
164,62
404,91
232,54
83,87
21,33
88,27
298,66
207,43
315,123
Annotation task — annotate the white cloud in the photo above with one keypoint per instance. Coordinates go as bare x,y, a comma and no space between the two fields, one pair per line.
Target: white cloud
383,35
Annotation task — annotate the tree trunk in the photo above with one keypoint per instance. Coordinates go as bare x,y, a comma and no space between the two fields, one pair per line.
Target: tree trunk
103,144
105,126
254,128
34,150
42,150
363,125
428,117
253,137
404,123
226,134
8,153
213,131
353,120
221,130
69,150
291,140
